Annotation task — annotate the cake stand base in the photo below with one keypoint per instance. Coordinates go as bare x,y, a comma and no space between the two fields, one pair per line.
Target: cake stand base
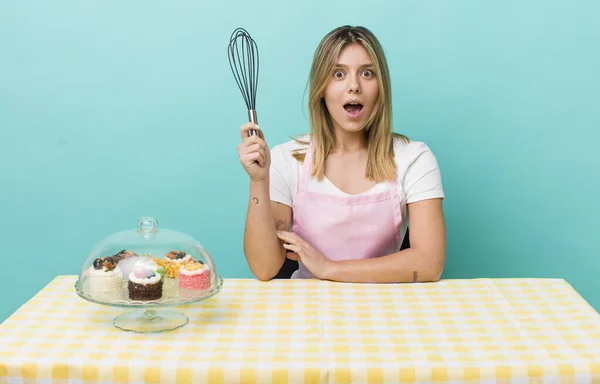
150,321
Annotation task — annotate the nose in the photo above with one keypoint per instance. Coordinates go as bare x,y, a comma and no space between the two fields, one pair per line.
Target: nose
353,84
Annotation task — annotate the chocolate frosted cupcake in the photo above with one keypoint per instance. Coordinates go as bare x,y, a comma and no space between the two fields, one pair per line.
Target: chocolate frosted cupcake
146,282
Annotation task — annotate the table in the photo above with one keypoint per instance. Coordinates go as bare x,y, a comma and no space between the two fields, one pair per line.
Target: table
310,331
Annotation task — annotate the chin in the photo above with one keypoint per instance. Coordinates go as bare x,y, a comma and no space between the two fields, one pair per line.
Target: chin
352,127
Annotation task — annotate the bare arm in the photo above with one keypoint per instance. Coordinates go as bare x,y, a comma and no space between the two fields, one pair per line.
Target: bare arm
264,251
422,262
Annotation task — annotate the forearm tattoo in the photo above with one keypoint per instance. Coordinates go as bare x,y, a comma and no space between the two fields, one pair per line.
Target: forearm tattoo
414,276
255,200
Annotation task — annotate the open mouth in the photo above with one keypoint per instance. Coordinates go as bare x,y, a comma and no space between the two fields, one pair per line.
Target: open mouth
353,109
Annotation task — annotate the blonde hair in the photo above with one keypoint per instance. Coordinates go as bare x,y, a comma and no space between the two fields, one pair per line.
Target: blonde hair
378,129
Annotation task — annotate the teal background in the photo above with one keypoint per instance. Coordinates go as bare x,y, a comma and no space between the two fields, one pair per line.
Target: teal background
112,110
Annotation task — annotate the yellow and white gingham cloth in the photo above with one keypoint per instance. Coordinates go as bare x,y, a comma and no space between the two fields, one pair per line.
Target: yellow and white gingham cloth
310,331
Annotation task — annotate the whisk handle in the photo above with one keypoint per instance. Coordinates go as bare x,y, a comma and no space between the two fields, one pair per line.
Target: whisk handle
253,118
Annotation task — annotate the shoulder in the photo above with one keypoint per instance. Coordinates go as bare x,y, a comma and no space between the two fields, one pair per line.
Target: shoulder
418,171
285,170
407,152
292,145
284,153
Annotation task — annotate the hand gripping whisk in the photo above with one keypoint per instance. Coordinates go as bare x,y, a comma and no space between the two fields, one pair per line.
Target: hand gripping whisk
243,60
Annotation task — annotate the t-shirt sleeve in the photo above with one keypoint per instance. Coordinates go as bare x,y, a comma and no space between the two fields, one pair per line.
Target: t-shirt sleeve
423,179
280,182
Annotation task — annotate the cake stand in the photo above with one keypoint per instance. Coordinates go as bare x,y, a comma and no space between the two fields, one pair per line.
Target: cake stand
124,250
151,316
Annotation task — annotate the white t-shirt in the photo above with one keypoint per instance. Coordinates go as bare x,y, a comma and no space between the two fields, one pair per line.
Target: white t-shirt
418,175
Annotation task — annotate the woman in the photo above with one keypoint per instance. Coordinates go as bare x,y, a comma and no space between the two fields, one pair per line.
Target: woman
347,189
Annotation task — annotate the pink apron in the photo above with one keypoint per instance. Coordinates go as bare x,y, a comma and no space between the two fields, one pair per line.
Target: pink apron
346,227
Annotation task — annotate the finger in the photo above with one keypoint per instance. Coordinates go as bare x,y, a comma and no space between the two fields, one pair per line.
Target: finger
263,157
253,158
249,160
294,248
292,237
255,140
303,243
245,152
260,160
292,255
250,126
286,236
287,233
255,148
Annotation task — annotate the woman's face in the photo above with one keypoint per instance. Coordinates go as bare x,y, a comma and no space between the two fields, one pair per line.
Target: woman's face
351,93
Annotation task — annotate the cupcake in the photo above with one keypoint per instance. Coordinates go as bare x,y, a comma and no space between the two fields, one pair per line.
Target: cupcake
126,260
146,282
104,280
173,262
122,255
195,276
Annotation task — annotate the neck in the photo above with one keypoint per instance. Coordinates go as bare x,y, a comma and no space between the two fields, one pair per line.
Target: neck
349,141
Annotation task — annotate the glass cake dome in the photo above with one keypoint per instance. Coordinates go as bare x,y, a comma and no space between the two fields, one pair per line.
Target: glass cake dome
148,268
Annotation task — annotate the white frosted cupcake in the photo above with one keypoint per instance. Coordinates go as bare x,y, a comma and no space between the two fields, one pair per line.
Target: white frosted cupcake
105,282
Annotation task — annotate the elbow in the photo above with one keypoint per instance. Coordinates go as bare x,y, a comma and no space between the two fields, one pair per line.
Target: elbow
260,275
436,275
438,268
263,271
435,268
432,276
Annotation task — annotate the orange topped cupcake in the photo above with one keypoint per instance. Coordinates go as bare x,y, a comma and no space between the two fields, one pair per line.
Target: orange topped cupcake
173,262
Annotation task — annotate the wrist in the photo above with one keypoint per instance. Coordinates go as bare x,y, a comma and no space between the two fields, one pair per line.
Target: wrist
259,192
260,182
329,270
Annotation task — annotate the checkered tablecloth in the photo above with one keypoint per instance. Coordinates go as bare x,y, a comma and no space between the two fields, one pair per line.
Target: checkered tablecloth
299,331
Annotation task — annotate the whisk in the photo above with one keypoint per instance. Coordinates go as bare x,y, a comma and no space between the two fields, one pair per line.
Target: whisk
243,60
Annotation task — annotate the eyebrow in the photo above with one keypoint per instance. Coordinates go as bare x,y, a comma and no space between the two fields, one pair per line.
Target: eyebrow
361,66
